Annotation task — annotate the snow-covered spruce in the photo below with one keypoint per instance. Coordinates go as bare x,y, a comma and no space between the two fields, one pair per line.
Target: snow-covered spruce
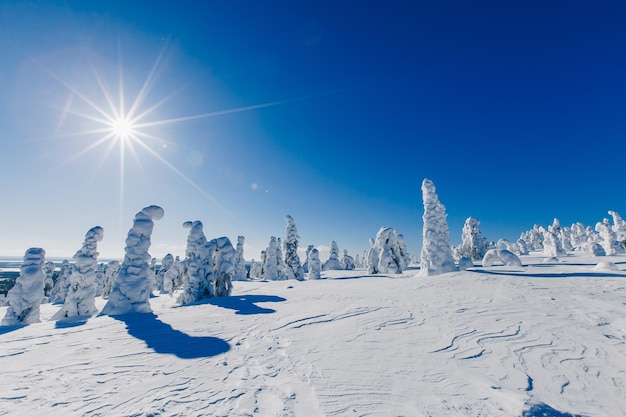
131,291
166,264
255,269
49,268
608,238
473,244
281,267
392,254
347,262
293,267
110,274
436,256
619,226
240,264
24,299
305,265
578,236
152,272
313,261
208,267
371,258
503,256
62,283
81,296
100,275
593,248
333,262
551,243
270,264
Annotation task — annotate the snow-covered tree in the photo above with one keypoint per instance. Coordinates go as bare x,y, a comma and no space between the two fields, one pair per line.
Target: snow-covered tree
313,260
240,264
62,283
100,275
131,290
281,268
551,241
619,226
347,262
593,248
49,269
371,258
209,266
522,247
578,236
465,263
566,239
174,276
270,271
473,244
504,256
436,256
391,253
333,262
152,273
24,299
305,265
255,269
608,238
110,274
81,297
166,264
293,268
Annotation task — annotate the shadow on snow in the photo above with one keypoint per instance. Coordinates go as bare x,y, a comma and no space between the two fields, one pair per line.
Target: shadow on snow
550,275
66,323
544,410
8,329
245,304
162,338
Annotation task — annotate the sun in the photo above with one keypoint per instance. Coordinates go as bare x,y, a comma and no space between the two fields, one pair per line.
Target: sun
123,129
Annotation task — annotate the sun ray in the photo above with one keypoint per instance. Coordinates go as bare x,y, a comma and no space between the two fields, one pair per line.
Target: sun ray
94,145
145,88
105,92
65,111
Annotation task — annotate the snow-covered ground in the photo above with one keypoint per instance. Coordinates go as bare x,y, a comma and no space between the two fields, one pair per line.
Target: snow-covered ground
498,341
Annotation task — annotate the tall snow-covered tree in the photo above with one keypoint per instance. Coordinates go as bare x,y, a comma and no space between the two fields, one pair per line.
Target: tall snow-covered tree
619,226
578,236
305,265
270,271
100,275
551,243
24,299
152,272
293,267
347,262
131,290
608,238
281,267
436,256
81,297
62,283
333,262
313,260
49,269
371,258
240,264
473,244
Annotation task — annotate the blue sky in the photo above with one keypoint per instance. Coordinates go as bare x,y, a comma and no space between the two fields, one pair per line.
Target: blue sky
516,111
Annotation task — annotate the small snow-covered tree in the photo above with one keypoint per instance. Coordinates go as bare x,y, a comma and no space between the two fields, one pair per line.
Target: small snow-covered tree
391,251
24,299
551,243
240,264
436,256
473,244
81,297
174,277
110,274
271,263
332,263
166,264
522,247
619,225
255,269
347,262
608,238
578,236
131,290
305,265
49,269
100,273
152,273
62,283
293,268
313,260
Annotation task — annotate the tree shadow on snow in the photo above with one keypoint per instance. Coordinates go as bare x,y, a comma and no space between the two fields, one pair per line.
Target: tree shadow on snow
245,304
364,276
9,329
550,275
71,322
544,410
162,338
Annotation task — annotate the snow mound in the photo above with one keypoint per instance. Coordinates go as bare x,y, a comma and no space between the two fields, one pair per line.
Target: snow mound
606,266
551,260
503,256
465,263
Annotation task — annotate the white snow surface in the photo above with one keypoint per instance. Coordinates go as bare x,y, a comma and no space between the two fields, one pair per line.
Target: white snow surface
487,342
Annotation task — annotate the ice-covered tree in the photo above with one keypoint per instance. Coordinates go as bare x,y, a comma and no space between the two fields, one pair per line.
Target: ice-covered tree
619,226
313,260
371,258
436,256
49,269
62,283
110,274
280,267
270,271
551,243
131,290
293,268
240,264
81,296
305,265
473,244
333,262
347,262
24,299
608,238
391,253
166,264
578,235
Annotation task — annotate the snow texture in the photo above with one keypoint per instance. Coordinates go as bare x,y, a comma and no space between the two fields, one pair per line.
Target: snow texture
332,263
131,290
293,268
436,256
24,299
81,296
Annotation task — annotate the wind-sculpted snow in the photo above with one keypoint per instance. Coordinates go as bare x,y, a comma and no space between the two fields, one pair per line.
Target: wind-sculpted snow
548,339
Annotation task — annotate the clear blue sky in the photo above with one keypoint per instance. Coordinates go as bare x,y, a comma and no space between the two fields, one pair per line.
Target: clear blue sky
516,111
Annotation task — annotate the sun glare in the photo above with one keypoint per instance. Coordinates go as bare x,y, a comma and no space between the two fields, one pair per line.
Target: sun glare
122,128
